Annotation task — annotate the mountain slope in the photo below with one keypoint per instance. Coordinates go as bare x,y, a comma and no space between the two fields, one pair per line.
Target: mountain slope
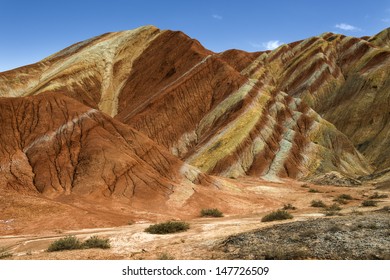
273,114
54,145
342,78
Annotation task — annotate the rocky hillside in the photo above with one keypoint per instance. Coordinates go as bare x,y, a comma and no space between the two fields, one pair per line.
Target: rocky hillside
143,113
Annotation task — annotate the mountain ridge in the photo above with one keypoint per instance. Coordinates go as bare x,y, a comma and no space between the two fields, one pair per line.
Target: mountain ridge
154,118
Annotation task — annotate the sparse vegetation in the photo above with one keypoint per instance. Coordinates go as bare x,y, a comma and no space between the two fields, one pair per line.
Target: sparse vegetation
165,256
338,238
356,212
332,213
289,207
277,215
333,207
96,242
333,210
4,253
369,203
214,212
386,208
73,243
66,243
286,254
168,227
378,196
314,191
343,198
318,203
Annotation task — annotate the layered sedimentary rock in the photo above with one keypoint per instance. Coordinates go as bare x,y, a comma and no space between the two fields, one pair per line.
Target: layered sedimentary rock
147,111
54,145
344,79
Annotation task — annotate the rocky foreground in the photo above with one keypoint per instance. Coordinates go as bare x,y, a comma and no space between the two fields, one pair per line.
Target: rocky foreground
358,237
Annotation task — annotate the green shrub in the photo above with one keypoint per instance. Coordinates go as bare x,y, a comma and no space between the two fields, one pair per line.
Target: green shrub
289,206
318,203
72,243
168,227
277,215
96,242
66,243
211,213
377,195
369,203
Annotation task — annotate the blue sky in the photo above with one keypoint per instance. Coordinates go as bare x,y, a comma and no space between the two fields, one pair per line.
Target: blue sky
32,30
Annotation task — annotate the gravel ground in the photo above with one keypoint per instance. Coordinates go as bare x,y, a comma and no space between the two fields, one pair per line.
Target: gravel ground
356,237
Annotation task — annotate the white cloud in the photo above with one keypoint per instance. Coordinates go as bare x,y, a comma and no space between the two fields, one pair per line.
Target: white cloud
347,27
272,44
385,19
217,16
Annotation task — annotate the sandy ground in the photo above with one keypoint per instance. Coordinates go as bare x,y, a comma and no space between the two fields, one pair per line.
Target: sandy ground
131,242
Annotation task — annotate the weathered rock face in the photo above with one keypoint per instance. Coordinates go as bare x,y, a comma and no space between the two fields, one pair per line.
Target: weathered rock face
142,113
54,145
342,78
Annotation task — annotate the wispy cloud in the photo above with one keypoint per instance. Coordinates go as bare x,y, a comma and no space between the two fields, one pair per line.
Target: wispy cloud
272,44
347,27
218,17
385,20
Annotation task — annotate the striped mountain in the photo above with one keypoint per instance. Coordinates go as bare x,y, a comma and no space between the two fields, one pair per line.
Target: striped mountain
149,109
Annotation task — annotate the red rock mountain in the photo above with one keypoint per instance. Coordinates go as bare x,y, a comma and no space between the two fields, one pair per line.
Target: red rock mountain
147,115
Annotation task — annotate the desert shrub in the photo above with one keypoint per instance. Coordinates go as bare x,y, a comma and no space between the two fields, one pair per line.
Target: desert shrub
318,203
333,207
168,227
333,210
386,209
340,200
377,195
66,243
306,186
356,212
96,242
214,212
4,253
369,203
277,215
165,256
345,196
332,213
314,191
289,207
